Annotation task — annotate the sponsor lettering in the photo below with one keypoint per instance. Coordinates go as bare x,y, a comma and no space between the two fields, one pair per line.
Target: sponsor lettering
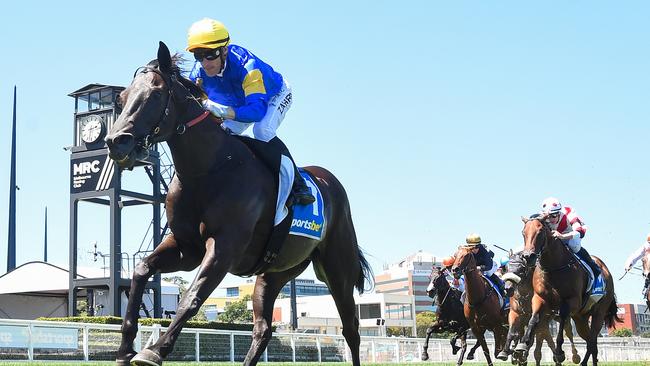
306,224
285,103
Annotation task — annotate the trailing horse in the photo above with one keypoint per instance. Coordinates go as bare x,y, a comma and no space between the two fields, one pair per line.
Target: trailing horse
520,276
221,207
646,274
449,315
481,307
560,284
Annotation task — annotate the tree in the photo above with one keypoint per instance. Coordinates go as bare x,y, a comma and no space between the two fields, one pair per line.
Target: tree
622,332
237,312
178,281
423,321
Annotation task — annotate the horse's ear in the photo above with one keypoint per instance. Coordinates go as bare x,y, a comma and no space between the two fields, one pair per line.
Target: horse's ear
524,219
164,58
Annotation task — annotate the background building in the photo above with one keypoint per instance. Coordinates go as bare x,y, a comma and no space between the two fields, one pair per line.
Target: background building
635,317
410,277
376,312
304,287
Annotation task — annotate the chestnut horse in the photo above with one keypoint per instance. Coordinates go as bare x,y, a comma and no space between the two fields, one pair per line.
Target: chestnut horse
482,309
220,207
520,277
449,315
560,284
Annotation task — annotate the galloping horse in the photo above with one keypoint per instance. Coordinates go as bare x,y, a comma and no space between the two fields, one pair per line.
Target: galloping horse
482,309
449,315
220,208
520,312
560,283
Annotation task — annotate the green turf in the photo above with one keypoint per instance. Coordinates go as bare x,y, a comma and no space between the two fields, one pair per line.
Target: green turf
57,363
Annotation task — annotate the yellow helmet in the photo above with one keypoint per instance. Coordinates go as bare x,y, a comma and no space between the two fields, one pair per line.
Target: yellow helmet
473,239
207,33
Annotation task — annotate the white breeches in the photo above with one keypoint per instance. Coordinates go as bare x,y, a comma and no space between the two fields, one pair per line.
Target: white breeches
265,129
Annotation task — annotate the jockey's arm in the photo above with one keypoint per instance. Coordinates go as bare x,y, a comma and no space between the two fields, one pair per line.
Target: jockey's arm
634,257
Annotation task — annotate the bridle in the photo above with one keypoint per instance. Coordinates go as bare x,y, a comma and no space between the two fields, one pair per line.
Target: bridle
537,254
170,81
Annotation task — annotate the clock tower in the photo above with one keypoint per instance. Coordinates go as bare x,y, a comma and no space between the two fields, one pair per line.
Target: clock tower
96,179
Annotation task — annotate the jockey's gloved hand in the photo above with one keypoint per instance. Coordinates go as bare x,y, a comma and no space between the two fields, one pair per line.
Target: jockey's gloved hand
218,110
483,268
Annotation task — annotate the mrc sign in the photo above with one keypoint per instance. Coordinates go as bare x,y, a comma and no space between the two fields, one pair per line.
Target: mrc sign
91,173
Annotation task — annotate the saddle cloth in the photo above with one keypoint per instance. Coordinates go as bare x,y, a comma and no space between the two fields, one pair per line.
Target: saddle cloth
308,220
595,288
505,303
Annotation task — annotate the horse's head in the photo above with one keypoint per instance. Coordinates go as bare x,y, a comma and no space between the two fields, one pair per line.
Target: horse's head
438,281
465,261
536,234
157,100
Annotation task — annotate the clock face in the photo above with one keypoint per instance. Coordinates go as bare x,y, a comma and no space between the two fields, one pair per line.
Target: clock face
92,129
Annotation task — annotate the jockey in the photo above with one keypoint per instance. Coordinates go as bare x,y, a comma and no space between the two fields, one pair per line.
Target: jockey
569,228
485,261
243,91
638,254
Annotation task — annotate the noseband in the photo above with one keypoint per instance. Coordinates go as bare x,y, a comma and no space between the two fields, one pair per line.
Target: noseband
170,81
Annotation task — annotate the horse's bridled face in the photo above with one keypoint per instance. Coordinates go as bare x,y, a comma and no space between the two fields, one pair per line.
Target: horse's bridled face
533,240
462,259
143,106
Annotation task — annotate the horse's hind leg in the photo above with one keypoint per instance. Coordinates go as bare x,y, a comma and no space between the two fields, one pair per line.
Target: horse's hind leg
338,265
165,258
267,288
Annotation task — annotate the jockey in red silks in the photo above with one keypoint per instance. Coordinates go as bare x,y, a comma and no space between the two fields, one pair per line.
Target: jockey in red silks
569,228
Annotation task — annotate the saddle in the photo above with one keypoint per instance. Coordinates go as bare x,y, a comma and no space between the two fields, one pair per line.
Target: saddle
595,287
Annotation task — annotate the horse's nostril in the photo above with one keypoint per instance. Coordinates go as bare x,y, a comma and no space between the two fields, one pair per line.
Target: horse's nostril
122,139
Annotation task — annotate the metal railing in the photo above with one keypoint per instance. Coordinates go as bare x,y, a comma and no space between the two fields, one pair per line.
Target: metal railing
50,341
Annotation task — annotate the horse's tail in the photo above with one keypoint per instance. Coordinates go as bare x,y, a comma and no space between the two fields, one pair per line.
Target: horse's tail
612,317
365,274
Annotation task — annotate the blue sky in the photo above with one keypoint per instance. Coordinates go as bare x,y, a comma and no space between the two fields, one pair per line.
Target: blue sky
440,118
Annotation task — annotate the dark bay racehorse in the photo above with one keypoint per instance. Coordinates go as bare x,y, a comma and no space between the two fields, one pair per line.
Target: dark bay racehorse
482,309
560,284
646,273
450,316
520,312
220,208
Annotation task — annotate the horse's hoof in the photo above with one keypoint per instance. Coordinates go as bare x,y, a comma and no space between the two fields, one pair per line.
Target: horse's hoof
425,356
124,360
503,355
470,356
575,358
147,357
559,357
454,349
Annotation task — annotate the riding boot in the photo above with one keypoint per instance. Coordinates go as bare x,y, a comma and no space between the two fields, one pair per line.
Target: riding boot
301,193
497,281
584,255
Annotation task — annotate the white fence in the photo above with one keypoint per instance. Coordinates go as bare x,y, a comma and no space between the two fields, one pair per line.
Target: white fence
48,341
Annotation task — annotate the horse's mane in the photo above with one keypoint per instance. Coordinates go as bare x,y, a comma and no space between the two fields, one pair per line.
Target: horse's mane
177,70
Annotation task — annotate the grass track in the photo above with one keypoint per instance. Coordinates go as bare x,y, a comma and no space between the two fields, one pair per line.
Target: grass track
101,363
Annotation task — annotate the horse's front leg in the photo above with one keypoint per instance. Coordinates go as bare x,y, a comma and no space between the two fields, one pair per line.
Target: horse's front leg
165,258
568,331
513,331
463,347
537,306
480,339
425,354
212,270
563,315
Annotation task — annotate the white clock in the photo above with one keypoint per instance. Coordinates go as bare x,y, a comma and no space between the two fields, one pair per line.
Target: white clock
92,129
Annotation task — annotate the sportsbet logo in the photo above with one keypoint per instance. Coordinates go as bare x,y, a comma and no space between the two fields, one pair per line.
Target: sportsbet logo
309,225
